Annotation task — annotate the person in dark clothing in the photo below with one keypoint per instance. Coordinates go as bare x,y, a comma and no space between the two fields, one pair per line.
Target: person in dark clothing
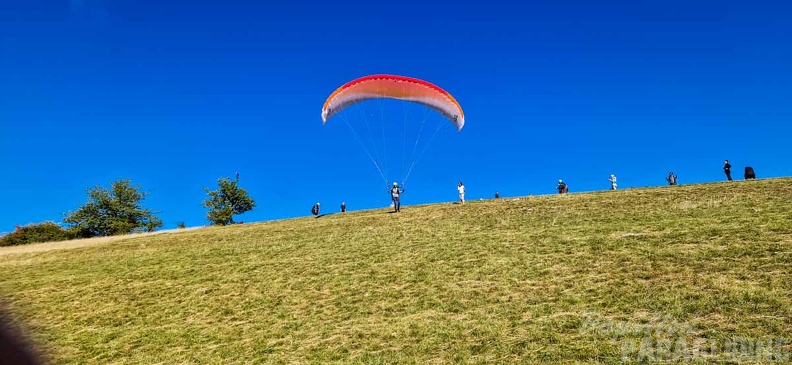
315,209
749,173
727,169
497,195
672,179
395,193
343,207
562,187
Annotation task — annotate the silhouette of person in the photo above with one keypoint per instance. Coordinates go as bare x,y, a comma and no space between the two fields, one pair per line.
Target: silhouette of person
727,169
563,188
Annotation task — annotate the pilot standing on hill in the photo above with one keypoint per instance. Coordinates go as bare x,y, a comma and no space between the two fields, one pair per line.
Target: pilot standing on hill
396,192
672,179
727,169
562,187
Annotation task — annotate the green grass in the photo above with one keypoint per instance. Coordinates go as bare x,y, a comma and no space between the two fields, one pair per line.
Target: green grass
496,281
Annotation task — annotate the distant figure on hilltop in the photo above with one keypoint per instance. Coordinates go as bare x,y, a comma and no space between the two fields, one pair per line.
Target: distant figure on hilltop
315,209
727,169
613,181
749,173
671,178
343,207
395,193
563,188
461,189
497,195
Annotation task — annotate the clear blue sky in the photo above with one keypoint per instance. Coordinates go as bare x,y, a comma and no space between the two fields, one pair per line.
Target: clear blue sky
176,94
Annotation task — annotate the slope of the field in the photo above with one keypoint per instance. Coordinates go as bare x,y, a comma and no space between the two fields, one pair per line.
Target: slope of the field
571,278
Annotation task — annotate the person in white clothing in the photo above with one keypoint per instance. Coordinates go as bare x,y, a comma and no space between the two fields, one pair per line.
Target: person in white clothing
461,189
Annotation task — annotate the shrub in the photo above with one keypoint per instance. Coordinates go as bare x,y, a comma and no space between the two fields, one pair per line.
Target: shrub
37,232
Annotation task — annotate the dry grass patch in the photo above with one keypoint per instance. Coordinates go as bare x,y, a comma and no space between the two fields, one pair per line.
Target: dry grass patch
495,281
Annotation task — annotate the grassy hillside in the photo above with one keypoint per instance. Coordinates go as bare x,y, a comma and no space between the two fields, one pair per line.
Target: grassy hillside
574,278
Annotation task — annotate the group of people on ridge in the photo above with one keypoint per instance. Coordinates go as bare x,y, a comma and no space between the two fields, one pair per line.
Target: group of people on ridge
315,208
748,175
672,179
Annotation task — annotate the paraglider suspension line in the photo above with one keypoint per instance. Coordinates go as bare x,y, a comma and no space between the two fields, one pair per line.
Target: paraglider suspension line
404,142
384,146
371,137
418,138
439,126
357,138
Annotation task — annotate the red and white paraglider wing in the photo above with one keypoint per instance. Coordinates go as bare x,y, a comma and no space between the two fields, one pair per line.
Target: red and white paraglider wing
394,87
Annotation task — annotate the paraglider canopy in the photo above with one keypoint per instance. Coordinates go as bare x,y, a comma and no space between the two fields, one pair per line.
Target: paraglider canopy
394,95
394,87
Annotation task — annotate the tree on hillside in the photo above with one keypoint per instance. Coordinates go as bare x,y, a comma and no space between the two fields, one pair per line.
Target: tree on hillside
33,233
113,211
227,201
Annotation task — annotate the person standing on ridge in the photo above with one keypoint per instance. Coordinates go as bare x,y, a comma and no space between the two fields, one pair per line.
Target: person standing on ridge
315,209
671,178
343,207
461,189
727,169
396,192
613,181
562,187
